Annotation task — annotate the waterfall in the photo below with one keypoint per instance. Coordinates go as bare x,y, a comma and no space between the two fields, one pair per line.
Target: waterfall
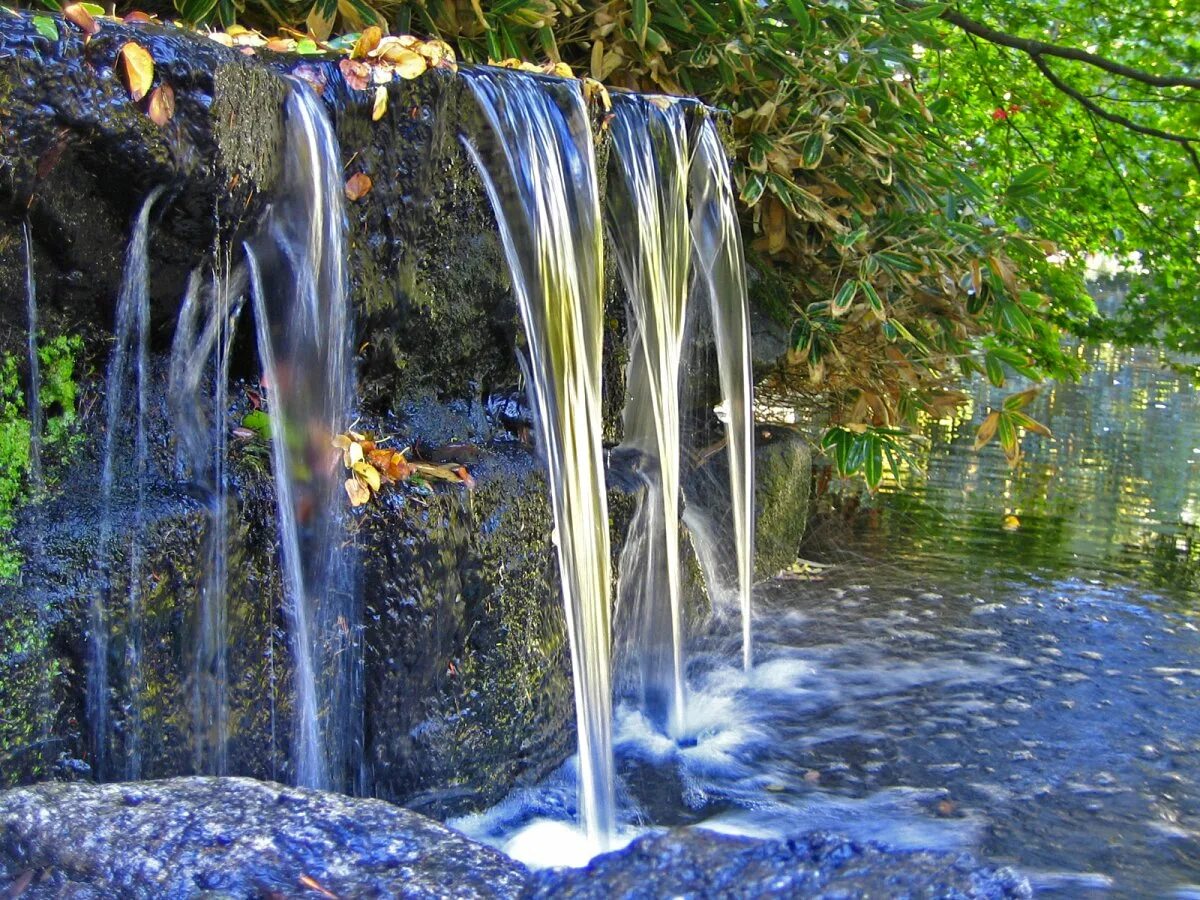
201,449
34,401
538,166
298,286
720,284
647,219
131,334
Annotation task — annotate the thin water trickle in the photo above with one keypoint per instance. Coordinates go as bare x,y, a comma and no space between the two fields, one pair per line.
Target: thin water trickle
720,283
538,165
298,286
647,220
201,425
33,403
131,334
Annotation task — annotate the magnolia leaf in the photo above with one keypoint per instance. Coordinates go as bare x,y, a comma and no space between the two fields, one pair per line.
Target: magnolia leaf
358,186
379,107
137,67
79,16
358,492
162,104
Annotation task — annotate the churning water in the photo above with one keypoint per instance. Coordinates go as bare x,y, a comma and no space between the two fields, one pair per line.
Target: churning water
1030,693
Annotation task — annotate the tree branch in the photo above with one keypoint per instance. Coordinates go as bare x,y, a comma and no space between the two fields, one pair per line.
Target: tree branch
1183,140
1042,48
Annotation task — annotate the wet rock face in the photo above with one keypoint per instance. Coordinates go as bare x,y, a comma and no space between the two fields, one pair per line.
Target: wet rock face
697,863
237,838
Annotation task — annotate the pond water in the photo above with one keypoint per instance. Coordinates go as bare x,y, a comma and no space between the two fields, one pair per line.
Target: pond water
1027,689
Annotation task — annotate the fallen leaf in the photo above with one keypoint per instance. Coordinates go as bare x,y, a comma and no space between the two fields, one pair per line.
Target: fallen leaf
356,73
358,492
409,64
137,66
162,104
466,477
380,105
45,27
313,885
281,45
80,18
369,474
367,41
138,16
358,186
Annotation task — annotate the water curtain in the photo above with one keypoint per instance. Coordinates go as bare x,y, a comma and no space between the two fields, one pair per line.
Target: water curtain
34,401
131,333
298,286
537,161
720,283
647,220
200,415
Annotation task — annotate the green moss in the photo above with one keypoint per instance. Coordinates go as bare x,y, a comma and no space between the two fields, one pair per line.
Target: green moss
57,358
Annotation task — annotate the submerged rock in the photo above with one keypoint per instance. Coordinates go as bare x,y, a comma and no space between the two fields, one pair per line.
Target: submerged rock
695,863
233,837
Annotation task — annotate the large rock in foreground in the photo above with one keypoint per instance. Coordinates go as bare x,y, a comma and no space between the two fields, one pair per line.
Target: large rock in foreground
695,863
233,837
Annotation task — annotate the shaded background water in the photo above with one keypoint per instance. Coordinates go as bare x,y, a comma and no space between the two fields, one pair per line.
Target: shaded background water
1029,692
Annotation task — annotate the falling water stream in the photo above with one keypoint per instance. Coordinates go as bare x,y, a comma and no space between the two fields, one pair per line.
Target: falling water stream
298,285
200,415
720,283
131,341
538,165
647,219
34,398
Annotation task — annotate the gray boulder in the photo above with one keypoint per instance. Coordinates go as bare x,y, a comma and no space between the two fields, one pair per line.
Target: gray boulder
233,837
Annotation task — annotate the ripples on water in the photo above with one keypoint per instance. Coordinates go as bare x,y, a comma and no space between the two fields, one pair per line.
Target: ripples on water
1031,694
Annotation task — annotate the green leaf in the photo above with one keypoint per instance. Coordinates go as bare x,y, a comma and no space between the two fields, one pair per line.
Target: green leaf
844,298
872,460
46,27
307,47
259,422
641,21
813,150
195,12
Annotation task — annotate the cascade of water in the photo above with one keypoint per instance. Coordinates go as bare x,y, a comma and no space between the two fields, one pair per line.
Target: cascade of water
720,283
297,282
647,219
131,335
538,165
33,402
201,456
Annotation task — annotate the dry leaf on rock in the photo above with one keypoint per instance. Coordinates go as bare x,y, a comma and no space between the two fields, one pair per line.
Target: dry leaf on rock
162,104
137,69
358,186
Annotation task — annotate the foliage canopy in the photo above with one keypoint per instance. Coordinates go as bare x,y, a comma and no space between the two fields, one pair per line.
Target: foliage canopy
921,183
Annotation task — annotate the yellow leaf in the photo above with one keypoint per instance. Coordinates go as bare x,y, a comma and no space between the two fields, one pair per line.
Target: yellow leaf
162,104
1010,523
319,26
379,107
357,492
137,66
988,429
367,41
369,474
409,65
354,453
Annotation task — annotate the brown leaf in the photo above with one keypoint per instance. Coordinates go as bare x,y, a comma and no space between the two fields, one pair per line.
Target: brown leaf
988,429
137,69
162,104
312,884
138,16
462,473
358,492
379,107
367,41
81,18
358,186
356,73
